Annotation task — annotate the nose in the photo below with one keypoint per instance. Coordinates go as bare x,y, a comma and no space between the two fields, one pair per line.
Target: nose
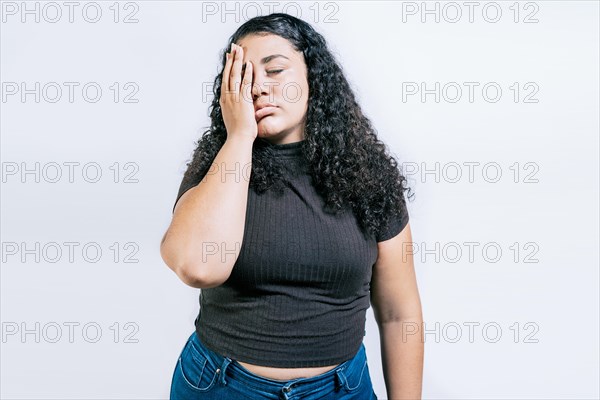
261,87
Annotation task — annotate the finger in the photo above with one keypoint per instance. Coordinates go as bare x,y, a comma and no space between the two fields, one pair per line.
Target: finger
236,71
247,82
226,72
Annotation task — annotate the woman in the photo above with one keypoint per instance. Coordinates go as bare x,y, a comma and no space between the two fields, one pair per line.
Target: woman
291,219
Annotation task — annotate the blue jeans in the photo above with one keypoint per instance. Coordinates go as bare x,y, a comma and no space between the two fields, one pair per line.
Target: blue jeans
201,373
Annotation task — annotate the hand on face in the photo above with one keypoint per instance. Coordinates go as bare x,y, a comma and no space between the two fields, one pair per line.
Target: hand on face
236,96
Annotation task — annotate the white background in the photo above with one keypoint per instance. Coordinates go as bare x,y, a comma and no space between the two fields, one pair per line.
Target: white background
550,209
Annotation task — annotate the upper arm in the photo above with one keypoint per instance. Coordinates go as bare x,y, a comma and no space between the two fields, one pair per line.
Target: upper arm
394,292
168,254
189,181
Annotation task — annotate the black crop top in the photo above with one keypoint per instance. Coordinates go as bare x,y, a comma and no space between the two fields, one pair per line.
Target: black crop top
298,293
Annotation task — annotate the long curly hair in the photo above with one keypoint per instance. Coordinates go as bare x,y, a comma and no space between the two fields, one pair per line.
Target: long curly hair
349,166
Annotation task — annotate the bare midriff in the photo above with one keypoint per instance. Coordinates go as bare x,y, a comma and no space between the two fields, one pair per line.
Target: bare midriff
285,374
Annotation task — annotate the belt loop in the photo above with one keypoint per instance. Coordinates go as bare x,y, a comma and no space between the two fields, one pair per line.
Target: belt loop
341,378
224,365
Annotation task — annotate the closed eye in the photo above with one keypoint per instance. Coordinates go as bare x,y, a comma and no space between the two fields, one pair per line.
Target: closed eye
274,71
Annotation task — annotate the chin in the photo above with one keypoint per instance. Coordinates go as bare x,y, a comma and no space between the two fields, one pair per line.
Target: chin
267,129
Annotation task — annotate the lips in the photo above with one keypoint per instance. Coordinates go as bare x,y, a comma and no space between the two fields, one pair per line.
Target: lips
263,110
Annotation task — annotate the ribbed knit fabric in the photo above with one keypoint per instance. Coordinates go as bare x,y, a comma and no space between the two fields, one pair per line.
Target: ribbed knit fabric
298,293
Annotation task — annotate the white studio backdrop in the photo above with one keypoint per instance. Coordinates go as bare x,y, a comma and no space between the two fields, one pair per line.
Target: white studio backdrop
491,108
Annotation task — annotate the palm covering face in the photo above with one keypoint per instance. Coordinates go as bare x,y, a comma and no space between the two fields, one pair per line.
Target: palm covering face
236,96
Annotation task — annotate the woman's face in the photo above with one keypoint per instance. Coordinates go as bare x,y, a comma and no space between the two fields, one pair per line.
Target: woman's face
279,78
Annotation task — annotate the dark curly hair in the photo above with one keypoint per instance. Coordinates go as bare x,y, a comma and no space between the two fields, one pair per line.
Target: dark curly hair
349,166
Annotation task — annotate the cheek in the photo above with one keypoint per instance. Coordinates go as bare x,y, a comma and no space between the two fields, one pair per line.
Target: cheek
294,94
294,84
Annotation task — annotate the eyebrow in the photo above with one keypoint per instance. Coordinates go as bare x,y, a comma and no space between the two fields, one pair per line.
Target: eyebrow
271,57
266,59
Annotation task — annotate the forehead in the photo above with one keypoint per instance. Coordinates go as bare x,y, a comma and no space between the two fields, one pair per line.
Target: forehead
256,47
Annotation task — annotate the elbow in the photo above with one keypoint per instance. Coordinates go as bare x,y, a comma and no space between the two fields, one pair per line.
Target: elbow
178,266
197,277
189,275
200,276
192,275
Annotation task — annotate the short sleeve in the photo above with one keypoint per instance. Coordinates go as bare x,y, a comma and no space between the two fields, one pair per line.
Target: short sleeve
187,183
395,225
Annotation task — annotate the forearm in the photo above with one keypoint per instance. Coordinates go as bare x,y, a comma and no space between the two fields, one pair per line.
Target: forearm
402,353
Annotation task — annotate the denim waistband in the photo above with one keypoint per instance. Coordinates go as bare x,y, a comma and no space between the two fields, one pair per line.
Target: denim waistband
231,369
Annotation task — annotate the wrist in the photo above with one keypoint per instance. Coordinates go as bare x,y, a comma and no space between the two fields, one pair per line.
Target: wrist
241,139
